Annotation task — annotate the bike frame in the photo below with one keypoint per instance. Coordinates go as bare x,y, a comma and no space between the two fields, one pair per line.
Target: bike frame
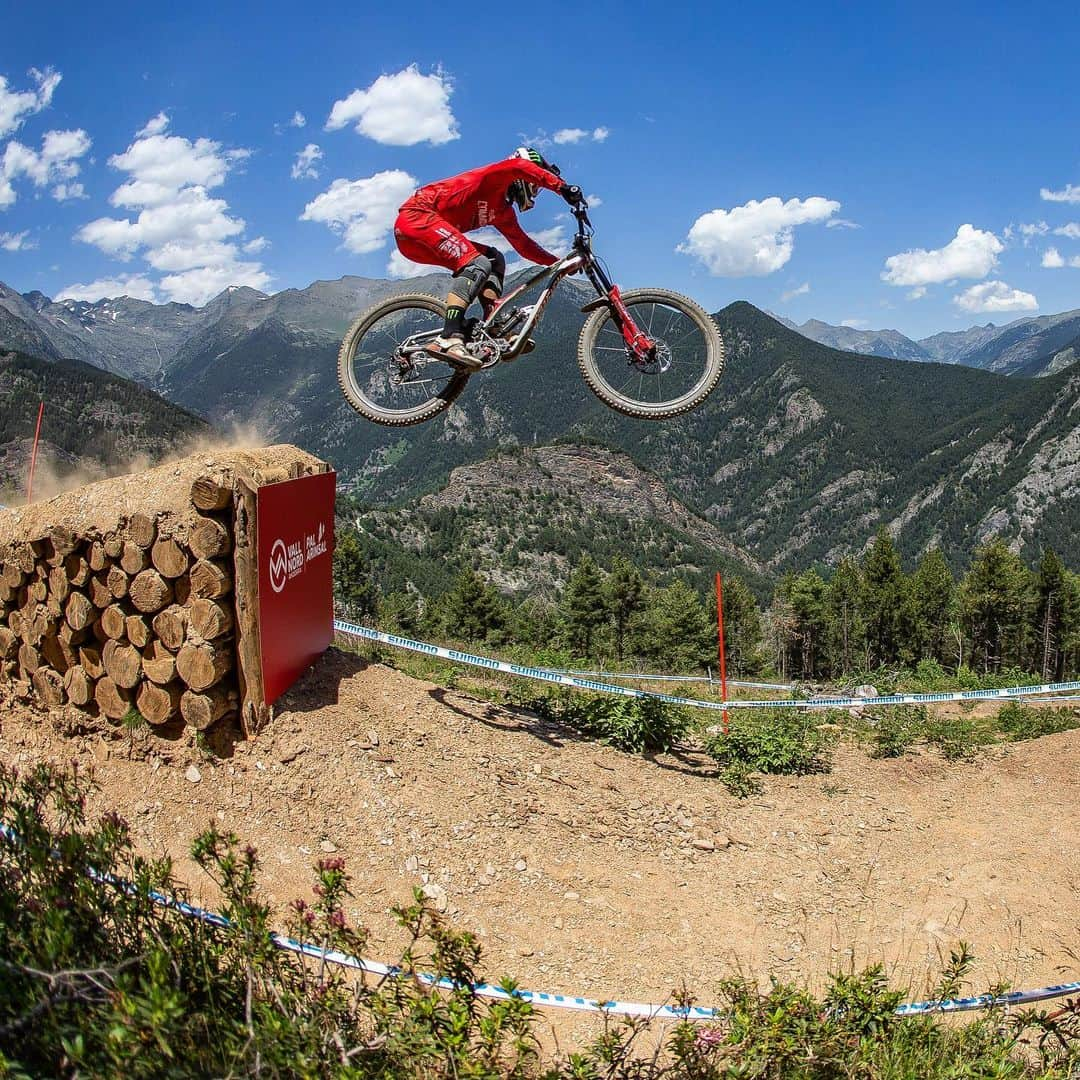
581,257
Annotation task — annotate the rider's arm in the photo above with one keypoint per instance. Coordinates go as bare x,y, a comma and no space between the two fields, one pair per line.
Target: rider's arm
520,169
523,243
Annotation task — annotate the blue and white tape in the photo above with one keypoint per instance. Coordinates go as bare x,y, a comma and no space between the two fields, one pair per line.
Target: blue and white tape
641,677
562,679
543,1000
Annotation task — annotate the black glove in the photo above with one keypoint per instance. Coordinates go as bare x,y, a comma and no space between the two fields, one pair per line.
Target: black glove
572,194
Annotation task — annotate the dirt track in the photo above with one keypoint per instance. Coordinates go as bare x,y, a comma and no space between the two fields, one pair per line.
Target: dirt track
584,870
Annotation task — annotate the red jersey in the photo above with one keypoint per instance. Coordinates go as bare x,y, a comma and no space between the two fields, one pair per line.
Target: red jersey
477,198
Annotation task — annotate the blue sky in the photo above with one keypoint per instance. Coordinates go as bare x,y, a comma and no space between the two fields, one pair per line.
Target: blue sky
818,160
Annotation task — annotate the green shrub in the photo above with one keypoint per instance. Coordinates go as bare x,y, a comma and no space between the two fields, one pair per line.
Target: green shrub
894,728
958,737
1018,721
633,725
786,741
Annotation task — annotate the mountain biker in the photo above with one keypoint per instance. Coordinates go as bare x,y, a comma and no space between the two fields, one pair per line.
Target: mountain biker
431,224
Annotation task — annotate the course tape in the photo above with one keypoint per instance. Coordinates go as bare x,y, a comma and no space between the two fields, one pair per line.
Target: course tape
546,675
670,678
544,1000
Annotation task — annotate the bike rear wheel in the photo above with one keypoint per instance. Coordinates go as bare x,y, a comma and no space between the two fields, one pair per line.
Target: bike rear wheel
688,361
382,369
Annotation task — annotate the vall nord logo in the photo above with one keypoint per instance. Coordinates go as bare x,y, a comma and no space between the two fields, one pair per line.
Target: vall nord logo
288,560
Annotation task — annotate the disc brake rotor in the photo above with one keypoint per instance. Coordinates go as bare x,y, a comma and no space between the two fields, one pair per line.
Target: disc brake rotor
658,362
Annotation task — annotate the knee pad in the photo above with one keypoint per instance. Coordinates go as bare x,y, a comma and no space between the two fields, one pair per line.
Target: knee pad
498,269
469,280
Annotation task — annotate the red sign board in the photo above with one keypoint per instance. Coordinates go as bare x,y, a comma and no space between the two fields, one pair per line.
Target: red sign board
296,585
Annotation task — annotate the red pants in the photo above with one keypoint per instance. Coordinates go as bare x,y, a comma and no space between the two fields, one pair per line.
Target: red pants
425,237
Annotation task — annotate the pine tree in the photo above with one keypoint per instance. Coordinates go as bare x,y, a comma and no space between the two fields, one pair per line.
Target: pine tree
1054,614
932,598
806,593
583,609
882,601
996,598
623,590
472,610
355,594
846,629
677,634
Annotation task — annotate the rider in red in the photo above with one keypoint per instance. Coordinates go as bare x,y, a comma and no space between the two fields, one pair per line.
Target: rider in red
431,224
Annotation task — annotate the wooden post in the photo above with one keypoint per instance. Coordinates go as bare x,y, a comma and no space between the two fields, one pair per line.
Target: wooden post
33,455
720,630
254,712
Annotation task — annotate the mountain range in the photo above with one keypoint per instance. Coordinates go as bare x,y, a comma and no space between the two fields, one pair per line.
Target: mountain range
798,456
1034,346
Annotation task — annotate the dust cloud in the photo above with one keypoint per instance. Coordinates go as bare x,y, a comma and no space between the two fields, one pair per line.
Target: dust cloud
56,472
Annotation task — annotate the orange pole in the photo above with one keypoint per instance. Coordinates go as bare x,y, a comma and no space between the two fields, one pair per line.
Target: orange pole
720,635
33,454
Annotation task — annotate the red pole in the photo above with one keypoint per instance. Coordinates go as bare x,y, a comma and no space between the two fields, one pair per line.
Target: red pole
33,454
720,635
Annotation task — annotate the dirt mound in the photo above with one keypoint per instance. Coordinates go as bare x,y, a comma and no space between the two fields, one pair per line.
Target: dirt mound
584,870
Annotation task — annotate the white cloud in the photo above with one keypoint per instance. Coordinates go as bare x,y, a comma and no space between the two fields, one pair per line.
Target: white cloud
854,324
180,230
201,284
298,119
799,290
1071,230
1028,231
362,211
594,201
161,165
575,135
253,247
15,106
1053,259
56,163
306,160
154,126
16,241
972,253
842,223
995,296
917,293
1069,194
754,239
400,110
134,285
68,192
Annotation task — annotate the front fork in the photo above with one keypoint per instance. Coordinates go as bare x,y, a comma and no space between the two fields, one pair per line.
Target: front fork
637,341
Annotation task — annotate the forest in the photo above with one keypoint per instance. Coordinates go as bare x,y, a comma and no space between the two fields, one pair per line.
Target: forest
1000,619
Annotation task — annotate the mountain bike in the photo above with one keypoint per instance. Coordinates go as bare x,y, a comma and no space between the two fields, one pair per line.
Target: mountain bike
647,353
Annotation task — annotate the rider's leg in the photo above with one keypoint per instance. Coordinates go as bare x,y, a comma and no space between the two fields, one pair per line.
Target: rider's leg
424,237
467,284
493,288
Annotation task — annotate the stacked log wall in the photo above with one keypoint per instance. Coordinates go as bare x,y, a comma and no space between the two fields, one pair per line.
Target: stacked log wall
139,612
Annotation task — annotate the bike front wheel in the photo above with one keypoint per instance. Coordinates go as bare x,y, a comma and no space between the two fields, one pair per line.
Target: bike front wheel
686,365
383,370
